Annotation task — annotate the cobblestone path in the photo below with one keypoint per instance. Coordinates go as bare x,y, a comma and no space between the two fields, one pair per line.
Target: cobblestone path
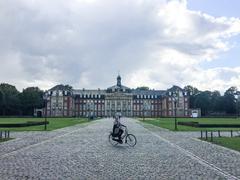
83,152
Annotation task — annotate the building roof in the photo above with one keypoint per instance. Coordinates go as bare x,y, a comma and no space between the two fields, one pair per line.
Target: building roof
88,91
61,87
175,88
118,87
148,92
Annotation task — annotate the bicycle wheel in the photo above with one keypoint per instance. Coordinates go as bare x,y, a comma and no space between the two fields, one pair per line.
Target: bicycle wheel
131,140
111,141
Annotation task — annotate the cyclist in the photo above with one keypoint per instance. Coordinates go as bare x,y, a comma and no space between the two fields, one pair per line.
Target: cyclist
118,129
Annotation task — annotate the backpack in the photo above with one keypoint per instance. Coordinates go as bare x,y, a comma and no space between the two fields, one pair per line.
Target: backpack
115,131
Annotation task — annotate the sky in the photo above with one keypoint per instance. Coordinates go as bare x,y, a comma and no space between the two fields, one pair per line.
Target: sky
86,43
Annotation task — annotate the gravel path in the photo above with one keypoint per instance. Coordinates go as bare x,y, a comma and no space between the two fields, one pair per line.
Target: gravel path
83,152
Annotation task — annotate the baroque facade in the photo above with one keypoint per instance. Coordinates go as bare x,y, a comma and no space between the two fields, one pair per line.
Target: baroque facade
64,101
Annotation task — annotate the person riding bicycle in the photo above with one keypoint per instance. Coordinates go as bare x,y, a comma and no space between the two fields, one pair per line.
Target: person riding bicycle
118,129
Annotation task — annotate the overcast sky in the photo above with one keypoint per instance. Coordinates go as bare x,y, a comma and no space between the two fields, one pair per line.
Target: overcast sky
85,43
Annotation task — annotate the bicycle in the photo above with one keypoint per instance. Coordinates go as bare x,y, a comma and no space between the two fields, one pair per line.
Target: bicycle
129,139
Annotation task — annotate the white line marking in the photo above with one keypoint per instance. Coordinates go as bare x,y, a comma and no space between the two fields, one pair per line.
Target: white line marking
195,157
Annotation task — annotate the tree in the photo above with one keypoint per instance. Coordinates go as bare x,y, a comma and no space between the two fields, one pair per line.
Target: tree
203,100
229,100
145,88
31,98
1,100
9,103
215,100
193,92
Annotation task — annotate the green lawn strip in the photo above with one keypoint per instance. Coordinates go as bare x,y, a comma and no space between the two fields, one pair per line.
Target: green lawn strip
54,123
168,123
229,142
5,139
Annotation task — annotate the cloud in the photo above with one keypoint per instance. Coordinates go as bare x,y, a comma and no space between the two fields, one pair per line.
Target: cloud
85,43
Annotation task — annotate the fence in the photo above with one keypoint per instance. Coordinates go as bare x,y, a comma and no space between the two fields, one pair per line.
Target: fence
205,134
4,134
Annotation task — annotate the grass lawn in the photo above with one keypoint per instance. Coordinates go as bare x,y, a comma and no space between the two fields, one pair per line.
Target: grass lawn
229,142
169,123
54,123
3,140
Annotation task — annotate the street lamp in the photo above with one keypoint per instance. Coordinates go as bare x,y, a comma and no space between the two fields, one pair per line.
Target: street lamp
45,96
174,96
236,96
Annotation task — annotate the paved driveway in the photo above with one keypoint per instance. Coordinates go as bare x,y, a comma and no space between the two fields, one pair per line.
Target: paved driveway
83,152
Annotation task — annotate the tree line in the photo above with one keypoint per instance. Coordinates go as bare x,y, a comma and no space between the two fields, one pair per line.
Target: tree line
15,103
213,103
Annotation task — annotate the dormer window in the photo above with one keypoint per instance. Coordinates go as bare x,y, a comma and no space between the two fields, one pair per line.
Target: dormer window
180,93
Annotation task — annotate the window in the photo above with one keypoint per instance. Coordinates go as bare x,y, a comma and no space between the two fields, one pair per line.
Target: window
180,94
54,93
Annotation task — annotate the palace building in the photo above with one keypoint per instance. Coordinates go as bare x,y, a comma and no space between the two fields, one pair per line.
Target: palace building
64,101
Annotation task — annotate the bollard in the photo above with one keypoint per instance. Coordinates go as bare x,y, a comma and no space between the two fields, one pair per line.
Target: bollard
206,135
8,134
211,136
219,135
0,134
201,135
5,134
231,133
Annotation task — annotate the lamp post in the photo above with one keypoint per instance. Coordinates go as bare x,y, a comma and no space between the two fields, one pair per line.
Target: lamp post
174,97
143,110
45,114
175,113
236,95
